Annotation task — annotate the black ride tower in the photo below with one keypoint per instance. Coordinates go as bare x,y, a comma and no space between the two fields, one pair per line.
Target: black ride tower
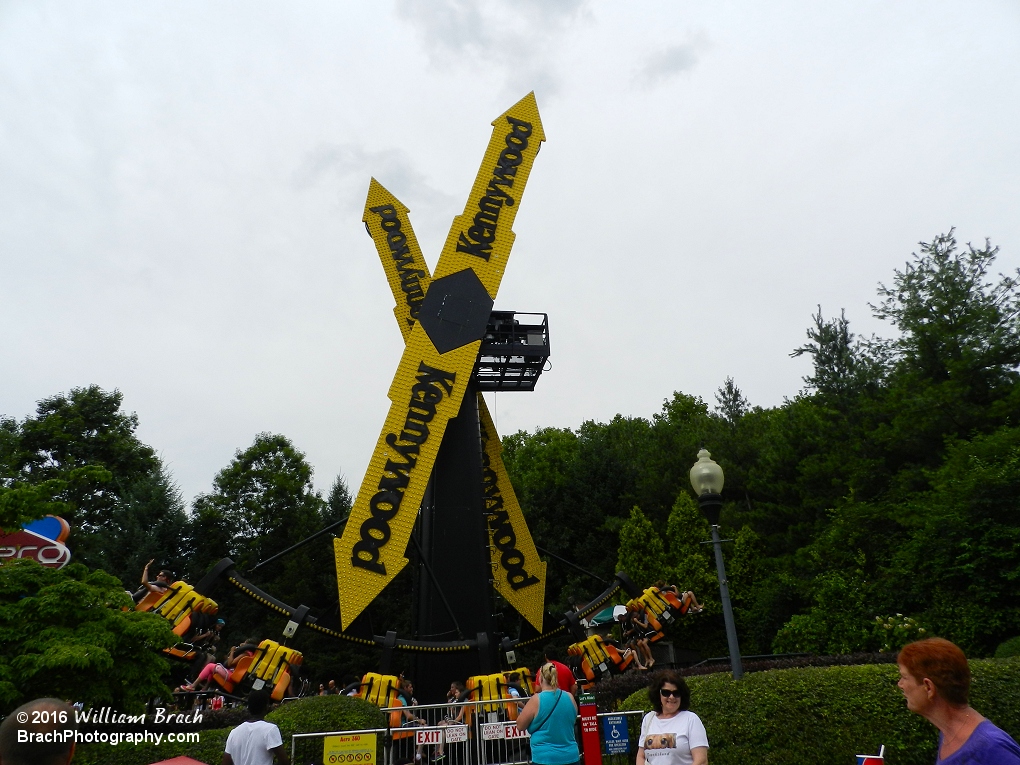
454,597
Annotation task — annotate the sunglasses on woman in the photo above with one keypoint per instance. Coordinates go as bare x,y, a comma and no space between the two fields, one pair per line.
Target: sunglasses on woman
667,693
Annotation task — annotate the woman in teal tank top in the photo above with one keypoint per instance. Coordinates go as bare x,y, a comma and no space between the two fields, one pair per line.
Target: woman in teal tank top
549,717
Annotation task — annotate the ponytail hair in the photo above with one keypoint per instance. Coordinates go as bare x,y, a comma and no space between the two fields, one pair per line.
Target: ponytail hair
548,673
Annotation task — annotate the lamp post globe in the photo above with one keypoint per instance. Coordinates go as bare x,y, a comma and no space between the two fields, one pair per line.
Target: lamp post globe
706,475
707,479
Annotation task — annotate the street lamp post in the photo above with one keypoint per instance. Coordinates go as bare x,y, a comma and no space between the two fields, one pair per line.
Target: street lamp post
707,480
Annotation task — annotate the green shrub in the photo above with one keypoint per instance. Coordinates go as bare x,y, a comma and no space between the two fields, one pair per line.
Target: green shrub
315,714
1010,648
209,750
326,713
822,715
322,714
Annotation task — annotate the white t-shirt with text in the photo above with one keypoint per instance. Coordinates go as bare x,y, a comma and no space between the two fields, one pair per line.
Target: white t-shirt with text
250,743
669,742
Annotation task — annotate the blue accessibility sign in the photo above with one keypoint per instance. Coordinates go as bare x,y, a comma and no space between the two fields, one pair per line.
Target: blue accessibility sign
614,730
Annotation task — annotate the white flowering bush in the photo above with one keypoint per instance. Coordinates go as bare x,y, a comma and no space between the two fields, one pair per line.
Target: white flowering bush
894,632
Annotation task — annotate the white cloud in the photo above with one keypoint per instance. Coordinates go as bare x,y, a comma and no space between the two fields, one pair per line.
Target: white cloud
670,61
351,164
518,38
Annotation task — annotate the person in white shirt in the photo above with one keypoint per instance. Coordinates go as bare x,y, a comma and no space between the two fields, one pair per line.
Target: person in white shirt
671,734
255,742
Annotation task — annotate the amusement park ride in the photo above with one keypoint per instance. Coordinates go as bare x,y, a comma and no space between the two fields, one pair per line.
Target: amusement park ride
436,480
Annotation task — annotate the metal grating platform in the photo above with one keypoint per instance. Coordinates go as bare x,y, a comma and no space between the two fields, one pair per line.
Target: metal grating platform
514,351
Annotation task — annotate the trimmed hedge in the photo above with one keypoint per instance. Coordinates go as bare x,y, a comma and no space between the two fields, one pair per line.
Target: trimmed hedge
209,750
1010,648
609,693
326,713
318,713
817,716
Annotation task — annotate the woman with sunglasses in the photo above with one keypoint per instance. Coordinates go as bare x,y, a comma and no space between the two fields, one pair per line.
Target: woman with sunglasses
671,734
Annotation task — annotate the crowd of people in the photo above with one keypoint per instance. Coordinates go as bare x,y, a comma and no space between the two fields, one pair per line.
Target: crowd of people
934,678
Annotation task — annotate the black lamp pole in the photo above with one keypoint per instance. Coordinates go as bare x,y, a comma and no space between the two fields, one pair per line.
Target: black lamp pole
707,479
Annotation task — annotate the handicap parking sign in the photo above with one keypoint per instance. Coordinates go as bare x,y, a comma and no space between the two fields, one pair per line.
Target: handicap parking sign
614,731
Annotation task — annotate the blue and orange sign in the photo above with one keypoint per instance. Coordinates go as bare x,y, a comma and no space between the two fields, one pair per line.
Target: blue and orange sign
41,540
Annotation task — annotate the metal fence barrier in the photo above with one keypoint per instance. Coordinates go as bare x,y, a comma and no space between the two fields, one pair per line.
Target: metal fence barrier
470,733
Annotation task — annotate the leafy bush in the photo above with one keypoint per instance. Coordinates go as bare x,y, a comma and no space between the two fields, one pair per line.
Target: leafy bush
326,713
63,633
1010,648
894,632
209,750
315,714
815,716
610,692
228,717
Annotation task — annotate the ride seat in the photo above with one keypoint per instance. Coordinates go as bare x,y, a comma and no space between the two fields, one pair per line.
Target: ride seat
494,687
381,690
197,614
654,624
527,679
159,599
663,603
271,666
599,658
675,603
177,605
236,675
654,608
491,688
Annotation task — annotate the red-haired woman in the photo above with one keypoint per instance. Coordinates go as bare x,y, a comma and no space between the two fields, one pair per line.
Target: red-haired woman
935,680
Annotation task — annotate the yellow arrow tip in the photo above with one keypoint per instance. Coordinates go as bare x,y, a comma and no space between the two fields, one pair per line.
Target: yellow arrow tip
526,109
380,195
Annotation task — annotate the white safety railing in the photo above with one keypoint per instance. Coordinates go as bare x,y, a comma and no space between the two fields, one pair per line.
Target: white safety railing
469,733
465,733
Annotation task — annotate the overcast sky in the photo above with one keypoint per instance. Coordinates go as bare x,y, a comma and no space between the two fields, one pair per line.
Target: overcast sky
181,188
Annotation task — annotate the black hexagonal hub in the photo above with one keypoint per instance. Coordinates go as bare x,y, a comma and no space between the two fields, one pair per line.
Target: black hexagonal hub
455,310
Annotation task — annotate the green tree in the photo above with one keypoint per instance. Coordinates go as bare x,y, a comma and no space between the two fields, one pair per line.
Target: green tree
70,633
542,467
262,503
843,366
841,621
679,430
850,496
954,363
757,592
959,568
730,402
691,566
339,501
641,554
78,457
